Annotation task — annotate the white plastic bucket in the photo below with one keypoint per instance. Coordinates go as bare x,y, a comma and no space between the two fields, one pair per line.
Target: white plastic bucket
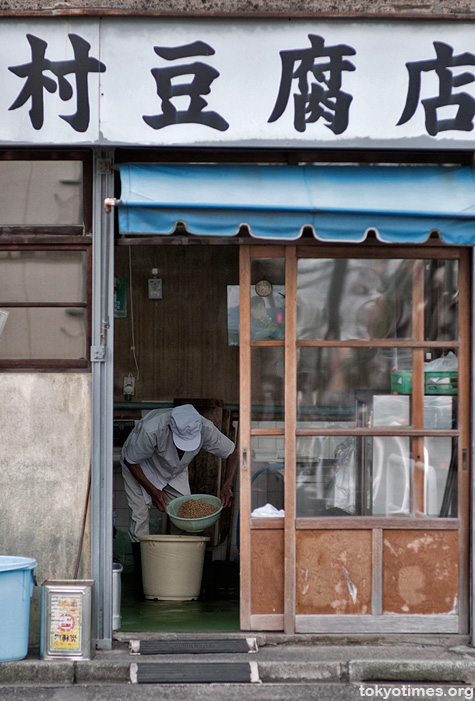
172,566
116,595
16,588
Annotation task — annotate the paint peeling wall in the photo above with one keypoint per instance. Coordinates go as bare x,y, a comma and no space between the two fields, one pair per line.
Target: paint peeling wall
44,470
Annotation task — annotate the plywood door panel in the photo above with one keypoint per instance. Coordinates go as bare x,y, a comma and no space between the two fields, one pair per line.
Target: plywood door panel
334,572
267,571
420,572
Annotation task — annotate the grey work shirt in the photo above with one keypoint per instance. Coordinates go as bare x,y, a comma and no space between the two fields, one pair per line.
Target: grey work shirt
151,446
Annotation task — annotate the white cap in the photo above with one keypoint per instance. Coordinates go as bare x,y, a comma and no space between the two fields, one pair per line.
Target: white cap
185,423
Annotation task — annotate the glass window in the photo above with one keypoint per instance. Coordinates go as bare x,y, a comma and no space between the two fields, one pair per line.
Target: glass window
41,332
344,383
440,477
43,297
267,299
345,299
267,475
267,387
375,476
41,193
42,276
441,300
332,381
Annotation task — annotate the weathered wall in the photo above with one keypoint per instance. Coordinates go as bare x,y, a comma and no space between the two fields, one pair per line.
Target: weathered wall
44,468
252,7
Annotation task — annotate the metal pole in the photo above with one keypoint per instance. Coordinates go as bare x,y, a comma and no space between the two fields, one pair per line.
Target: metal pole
102,398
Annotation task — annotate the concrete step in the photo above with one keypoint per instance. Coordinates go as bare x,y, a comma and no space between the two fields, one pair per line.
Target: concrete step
272,664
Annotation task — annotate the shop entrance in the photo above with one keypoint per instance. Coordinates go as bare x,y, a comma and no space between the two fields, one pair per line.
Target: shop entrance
351,509
176,342
354,411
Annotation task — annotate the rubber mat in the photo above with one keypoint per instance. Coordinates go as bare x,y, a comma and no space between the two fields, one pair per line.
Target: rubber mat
192,646
194,673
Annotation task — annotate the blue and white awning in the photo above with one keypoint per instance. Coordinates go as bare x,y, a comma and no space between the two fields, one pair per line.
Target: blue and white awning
402,204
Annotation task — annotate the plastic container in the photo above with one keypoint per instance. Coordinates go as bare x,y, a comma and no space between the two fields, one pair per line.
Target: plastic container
116,595
441,382
16,588
401,381
434,382
194,525
172,566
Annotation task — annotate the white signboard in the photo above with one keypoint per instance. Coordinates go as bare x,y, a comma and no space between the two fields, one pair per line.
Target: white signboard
269,83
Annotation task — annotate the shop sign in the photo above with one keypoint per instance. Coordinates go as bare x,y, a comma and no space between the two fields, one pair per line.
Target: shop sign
273,83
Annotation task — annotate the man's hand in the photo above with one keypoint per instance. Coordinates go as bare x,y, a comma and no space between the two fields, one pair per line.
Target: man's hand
227,489
226,496
159,499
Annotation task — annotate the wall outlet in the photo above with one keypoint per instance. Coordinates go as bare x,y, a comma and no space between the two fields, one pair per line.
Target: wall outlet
155,288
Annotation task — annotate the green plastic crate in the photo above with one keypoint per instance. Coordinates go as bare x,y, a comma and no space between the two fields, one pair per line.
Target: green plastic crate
441,382
434,382
401,381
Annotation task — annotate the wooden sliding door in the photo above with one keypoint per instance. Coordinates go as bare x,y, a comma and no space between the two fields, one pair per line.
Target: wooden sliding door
354,439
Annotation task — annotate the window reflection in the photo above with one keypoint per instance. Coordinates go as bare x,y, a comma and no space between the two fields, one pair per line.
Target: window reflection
441,300
375,476
440,465
331,380
41,193
42,276
44,333
267,476
345,299
267,299
267,387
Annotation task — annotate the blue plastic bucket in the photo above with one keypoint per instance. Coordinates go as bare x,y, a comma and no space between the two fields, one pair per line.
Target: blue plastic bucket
16,588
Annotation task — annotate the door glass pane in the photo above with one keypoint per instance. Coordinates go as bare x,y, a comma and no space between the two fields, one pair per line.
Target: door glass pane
326,480
267,476
44,333
353,476
440,477
267,299
42,276
41,193
345,299
441,300
333,383
267,387
375,476
387,475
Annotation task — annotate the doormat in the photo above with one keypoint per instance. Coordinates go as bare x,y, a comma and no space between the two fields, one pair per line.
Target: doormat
194,673
200,646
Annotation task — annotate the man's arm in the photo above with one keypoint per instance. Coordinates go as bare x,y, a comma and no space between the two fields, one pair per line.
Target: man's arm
227,488
159,498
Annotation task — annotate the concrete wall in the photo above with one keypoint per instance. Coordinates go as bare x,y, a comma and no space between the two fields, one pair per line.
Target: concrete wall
251,7
44,468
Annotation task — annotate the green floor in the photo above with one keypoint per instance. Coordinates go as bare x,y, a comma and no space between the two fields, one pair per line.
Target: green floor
217,609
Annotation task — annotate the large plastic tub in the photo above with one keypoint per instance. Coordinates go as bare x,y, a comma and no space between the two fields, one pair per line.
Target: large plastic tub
16,588
172,566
